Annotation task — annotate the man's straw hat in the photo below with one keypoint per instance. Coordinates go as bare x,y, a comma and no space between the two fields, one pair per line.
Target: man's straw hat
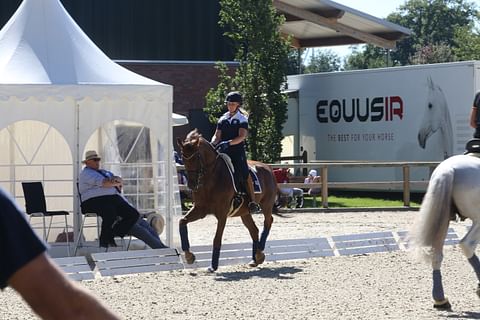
91,154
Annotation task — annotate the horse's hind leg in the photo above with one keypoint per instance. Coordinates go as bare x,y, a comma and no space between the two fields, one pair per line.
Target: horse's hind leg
440,302
468,244
267,226
258,257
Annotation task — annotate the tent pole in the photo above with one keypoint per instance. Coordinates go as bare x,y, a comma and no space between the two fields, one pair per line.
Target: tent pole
76,169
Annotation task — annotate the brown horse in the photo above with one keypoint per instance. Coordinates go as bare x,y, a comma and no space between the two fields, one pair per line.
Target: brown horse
213,190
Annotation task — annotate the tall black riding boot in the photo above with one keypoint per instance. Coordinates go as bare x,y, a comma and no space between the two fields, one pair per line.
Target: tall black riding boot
237,198
253,207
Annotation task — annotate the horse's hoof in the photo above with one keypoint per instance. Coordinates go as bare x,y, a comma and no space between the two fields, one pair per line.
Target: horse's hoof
189,257
252,264
260,257
442,305
211,270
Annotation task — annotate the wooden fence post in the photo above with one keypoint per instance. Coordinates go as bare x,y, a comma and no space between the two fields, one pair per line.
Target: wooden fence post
324,176
406,186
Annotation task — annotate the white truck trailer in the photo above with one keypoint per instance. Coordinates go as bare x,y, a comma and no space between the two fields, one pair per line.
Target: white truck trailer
413,113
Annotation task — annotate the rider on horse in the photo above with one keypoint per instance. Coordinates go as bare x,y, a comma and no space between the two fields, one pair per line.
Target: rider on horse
229,138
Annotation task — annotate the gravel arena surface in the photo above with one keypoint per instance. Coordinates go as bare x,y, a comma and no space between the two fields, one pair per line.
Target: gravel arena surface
374,286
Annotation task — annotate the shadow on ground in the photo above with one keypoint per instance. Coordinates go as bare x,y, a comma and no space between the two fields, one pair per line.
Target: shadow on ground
267,272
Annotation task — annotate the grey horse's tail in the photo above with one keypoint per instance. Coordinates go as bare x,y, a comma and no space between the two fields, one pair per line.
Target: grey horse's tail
431,224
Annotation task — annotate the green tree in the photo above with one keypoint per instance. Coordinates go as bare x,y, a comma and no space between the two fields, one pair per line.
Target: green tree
433,22
294,64
435,53
323,61
216,96
371,57
468,44
262,53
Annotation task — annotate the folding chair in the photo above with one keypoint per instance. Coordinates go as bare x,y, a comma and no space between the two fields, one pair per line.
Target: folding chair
85,216
36,207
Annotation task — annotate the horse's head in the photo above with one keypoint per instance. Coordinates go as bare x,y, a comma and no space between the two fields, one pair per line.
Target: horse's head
436,115
196,154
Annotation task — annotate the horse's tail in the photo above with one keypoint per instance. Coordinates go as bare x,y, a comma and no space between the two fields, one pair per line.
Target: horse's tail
434,214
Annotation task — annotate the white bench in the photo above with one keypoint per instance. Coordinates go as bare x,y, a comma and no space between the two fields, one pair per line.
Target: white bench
290,249
137,261
451,238
76,268
230,254
275,250
365,243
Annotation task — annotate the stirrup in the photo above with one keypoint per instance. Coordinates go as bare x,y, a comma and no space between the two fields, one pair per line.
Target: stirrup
253,207
237,201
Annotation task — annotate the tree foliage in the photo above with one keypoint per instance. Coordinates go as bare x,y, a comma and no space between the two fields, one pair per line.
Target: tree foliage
371,57
294,63
435,53
323,61
433,22
468,44
262,53
442,31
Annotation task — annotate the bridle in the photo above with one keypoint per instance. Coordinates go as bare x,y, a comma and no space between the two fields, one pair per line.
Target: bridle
199,172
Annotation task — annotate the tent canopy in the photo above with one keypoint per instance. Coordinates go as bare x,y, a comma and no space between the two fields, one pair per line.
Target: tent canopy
54,80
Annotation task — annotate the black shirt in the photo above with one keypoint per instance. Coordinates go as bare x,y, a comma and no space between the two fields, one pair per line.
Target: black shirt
18,242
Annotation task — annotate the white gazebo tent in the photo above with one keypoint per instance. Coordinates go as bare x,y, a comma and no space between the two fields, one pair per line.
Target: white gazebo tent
60,95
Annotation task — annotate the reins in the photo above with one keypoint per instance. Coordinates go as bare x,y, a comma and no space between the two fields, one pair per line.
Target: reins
191,156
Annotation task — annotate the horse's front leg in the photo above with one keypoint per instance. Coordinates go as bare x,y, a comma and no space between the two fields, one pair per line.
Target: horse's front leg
468,244
192,215
217,243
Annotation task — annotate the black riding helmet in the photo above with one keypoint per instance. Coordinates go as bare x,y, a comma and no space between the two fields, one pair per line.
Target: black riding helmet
234,96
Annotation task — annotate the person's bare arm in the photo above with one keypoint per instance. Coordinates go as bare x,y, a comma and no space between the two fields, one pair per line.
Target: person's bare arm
112,182
242,135
473,117
53,296
216,137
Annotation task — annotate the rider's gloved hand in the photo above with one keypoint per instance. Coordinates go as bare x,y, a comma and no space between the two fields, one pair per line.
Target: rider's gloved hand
222,146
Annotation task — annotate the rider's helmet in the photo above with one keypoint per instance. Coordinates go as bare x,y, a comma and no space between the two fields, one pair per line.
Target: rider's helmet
234,96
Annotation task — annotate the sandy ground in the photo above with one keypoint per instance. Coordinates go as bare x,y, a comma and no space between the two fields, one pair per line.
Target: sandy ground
373,286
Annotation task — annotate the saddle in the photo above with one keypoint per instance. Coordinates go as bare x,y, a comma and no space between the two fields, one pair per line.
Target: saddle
473,147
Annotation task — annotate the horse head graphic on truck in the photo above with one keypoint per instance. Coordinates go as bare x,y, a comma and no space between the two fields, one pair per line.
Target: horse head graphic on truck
436,117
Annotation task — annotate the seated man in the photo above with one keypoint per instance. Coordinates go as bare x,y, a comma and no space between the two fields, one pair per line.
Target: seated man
100,192
313,178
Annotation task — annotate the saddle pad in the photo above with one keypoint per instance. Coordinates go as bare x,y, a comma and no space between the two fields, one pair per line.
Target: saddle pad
256,182
253,173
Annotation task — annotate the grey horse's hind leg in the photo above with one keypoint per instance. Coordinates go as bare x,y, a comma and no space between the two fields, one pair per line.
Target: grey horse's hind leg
440,301
468,244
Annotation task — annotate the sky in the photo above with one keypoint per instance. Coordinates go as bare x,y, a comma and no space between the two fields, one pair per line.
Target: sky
377,8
